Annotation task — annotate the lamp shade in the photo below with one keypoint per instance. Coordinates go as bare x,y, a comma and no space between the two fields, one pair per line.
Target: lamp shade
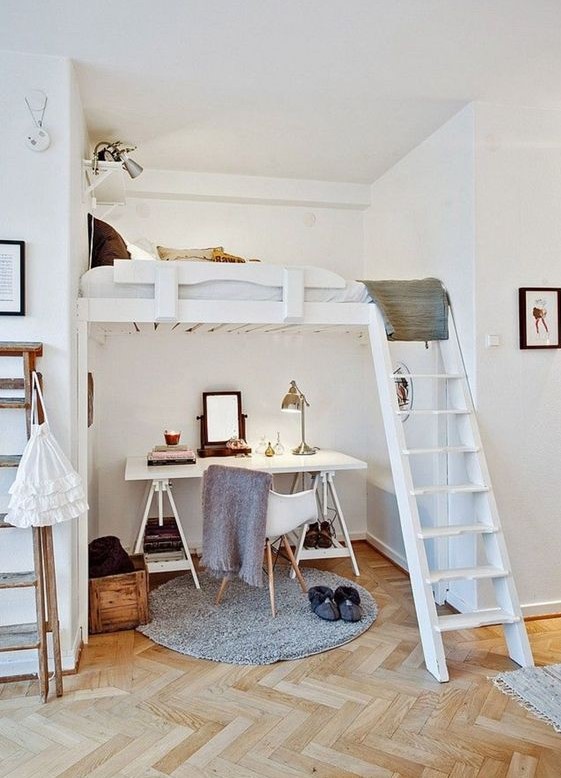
292,401
132,167
115,151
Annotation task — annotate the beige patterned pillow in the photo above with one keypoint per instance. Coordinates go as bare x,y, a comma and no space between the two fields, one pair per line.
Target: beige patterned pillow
172,254
219,255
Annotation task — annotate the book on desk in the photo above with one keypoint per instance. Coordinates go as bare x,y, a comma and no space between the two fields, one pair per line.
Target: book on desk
171,455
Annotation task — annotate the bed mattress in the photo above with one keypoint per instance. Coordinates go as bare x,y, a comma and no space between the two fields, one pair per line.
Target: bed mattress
98,283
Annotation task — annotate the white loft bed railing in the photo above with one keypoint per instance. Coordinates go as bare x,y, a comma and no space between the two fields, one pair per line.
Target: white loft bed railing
166,306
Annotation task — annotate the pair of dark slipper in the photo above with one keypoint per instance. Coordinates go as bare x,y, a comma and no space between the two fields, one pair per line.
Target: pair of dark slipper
343,603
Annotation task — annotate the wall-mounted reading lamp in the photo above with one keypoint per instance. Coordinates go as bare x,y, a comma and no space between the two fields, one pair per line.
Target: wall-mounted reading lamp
115,151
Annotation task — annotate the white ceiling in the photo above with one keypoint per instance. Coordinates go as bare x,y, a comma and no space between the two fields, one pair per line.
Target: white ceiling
323,89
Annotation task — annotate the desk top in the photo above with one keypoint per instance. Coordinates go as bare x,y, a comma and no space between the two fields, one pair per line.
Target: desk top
137,470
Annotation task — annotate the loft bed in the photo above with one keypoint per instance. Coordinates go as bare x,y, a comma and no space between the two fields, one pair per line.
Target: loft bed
204,292
206,296
271,298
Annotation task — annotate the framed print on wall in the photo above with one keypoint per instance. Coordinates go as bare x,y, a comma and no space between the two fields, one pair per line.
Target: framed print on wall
12,278
540,317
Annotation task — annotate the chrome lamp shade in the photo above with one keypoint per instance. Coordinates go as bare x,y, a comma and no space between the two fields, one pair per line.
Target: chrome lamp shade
132,167
116,151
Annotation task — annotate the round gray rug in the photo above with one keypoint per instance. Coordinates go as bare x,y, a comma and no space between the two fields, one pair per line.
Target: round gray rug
242,630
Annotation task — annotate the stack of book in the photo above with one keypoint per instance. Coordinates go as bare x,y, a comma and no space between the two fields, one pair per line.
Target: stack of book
171,455
163,542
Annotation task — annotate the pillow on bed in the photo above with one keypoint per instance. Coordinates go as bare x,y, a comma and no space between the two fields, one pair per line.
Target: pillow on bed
172,254
215,254
137,252
107,245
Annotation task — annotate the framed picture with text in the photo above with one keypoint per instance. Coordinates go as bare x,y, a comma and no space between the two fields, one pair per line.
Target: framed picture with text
539,317
12,278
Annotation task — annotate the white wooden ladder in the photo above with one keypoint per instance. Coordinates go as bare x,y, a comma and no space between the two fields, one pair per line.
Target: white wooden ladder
463,442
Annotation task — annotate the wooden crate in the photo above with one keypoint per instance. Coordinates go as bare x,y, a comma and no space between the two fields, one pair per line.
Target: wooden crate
119,601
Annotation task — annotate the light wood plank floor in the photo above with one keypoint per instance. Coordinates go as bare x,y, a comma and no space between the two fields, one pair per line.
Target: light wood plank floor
368,708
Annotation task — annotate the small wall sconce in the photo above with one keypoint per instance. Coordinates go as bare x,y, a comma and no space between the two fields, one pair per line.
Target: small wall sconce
115,151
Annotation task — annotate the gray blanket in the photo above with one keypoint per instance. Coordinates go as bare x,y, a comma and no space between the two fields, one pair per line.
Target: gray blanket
234,522
412,310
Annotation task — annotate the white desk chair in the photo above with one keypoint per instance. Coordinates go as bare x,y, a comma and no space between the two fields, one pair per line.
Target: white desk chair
285,513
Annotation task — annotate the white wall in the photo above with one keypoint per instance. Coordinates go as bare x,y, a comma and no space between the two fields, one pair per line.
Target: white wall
519,244
421,219
149,381
40,204
279,234
421,223
478,205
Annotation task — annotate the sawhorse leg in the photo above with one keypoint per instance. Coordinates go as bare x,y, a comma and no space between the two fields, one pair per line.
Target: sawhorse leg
161,486
304,529
337,550
140,537
167,487
342,522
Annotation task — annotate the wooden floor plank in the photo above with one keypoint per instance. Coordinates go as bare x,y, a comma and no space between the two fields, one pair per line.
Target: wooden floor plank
369,708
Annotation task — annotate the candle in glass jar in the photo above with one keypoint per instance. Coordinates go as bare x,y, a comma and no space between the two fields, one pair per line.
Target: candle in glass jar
172,437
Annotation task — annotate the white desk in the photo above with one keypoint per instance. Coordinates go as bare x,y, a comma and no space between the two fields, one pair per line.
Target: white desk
322,467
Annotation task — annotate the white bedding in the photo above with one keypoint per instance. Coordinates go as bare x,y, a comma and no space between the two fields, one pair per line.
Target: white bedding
98,282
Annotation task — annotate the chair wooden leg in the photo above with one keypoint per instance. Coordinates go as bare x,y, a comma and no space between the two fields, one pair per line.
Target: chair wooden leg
221,591
294,564
271,578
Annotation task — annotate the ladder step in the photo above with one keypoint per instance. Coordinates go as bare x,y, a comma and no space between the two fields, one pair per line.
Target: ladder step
441,450
451,530
9,403
428,375
450,489
485,618
436,412
466,573
10,460
17,580
18,637
10,349
12,384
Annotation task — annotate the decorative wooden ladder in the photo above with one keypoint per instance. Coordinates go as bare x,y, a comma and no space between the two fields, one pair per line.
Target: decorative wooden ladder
465,442
22,637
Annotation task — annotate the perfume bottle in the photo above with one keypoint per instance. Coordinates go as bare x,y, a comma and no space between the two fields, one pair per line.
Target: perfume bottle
269,451
278,448
262,445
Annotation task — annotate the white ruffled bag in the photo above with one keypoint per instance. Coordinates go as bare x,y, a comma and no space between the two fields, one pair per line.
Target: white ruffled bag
47,489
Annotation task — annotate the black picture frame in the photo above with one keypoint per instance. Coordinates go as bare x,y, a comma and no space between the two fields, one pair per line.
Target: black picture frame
539,333
12,278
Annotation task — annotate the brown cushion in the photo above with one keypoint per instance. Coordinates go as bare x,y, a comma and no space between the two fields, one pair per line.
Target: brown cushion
107,244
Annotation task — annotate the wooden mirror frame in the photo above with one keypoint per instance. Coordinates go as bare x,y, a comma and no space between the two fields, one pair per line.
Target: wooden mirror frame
219,448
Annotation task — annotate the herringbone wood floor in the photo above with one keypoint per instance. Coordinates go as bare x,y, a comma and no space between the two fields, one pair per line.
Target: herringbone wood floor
368,708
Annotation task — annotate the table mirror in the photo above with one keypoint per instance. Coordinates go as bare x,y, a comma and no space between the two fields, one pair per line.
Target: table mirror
222,421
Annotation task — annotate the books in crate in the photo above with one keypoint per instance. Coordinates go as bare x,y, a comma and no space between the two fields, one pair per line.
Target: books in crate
171,455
